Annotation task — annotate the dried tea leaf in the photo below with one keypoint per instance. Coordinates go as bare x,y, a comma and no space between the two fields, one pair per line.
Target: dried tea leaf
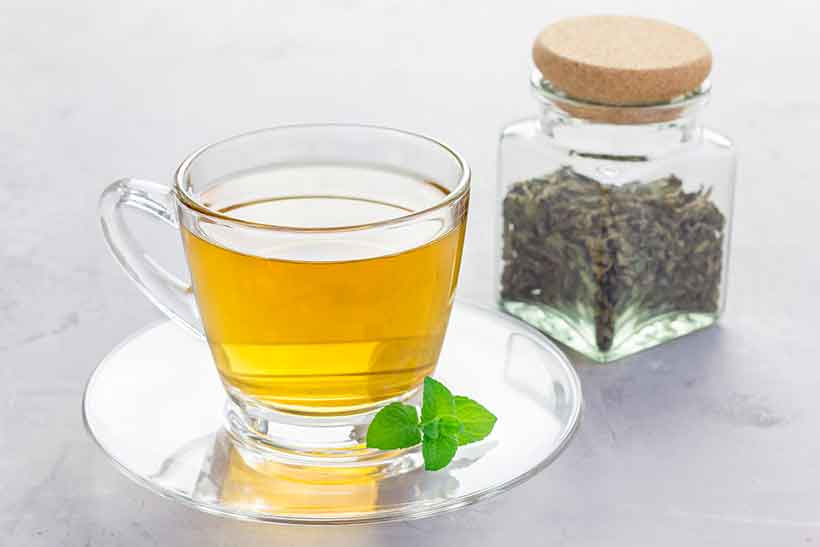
602,254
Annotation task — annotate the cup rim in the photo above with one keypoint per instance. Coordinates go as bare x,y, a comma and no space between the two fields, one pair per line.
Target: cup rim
190,202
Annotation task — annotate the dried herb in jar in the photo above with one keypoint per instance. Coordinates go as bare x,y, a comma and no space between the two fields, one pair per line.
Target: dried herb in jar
607,254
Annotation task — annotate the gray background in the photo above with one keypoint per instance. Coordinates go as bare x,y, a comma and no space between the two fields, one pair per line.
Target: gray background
710,440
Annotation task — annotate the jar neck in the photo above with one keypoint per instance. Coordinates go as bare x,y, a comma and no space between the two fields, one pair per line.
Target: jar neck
628,132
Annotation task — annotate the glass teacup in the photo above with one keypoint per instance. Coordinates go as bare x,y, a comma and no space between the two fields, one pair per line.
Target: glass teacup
323,263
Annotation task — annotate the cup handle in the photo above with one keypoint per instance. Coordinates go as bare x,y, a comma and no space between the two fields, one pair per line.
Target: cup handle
169,293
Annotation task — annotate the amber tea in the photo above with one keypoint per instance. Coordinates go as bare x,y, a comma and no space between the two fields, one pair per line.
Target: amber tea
324,322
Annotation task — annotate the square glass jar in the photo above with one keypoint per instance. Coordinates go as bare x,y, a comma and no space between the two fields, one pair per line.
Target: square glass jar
614,221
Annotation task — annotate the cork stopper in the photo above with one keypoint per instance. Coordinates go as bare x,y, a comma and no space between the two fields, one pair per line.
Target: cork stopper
622,61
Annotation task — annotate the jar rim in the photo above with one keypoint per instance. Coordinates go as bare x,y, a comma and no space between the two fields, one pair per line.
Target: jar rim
547,93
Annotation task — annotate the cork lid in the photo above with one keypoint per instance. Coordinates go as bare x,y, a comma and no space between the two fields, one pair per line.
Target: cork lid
618,60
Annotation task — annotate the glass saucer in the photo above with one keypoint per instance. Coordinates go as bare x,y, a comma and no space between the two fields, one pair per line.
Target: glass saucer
155,407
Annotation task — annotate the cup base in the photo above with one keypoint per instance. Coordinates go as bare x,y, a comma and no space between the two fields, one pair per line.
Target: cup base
319,447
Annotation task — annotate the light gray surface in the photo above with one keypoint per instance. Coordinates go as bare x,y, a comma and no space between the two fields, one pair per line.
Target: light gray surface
711,440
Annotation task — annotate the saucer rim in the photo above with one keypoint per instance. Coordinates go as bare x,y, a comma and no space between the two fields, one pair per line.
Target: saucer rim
384,516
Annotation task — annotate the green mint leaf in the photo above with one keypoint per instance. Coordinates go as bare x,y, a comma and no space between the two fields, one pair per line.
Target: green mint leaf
447,422
437,400
442,425
450,426
430,429
438,452
477,421
394,426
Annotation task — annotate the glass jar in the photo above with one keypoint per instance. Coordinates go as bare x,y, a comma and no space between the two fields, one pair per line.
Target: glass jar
614,221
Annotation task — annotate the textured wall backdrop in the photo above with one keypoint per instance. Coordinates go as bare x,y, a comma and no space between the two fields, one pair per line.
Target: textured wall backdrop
711,440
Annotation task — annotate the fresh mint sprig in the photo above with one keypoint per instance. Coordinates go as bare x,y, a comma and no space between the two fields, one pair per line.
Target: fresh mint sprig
446,423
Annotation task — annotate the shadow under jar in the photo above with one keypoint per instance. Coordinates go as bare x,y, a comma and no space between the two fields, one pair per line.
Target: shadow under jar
615,202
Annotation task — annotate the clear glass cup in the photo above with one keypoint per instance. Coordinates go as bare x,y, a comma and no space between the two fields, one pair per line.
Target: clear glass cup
323,261
614,221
